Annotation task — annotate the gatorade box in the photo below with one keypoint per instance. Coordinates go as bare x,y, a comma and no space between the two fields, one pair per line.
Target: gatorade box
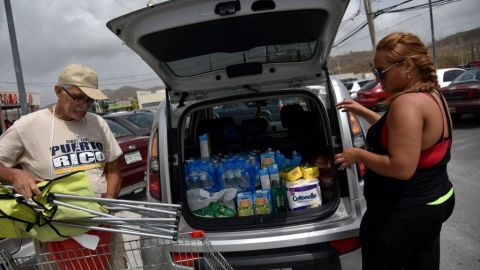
245,204
263,202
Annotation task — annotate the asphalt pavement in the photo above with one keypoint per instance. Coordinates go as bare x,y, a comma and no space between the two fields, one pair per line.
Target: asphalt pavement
460,238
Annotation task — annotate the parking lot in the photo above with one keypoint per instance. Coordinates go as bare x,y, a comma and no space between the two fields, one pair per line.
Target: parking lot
460,240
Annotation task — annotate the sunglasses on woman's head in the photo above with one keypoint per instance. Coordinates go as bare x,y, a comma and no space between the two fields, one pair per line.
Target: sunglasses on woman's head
379,73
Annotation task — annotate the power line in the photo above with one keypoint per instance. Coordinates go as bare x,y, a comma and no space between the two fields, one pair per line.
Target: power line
384,29
391,9
121,4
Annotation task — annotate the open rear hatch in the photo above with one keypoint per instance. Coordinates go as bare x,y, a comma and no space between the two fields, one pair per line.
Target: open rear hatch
212,46
252,58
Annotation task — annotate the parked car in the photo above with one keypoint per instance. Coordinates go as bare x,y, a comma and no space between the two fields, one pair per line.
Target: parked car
371,95
268,109
133,162
463,94
446,75
232,54
354,86
139,122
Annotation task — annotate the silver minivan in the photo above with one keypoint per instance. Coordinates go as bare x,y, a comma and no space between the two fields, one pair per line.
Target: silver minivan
216,150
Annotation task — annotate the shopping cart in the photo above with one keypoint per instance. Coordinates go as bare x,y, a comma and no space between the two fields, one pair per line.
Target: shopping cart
190,251
154,231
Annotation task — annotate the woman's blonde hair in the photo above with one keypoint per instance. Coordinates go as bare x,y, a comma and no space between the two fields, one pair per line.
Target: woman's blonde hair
399,46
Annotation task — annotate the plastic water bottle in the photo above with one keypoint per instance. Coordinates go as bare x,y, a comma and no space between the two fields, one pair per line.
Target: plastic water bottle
253,170
205,181
264,179
204,145
296,158
274,175
229,179
279,158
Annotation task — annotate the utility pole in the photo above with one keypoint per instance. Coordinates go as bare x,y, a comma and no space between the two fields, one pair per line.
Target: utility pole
16,58
433,33
371,25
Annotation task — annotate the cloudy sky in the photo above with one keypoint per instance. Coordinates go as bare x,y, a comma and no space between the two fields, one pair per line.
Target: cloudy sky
54,33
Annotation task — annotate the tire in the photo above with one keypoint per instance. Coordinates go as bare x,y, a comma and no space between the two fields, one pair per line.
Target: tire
455,117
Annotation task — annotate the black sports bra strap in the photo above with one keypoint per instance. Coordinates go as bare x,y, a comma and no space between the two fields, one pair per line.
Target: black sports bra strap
447,113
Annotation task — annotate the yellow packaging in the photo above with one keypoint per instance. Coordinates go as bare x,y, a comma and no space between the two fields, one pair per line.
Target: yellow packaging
310,172
291,174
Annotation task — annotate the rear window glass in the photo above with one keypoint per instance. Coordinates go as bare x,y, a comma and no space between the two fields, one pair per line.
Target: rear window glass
214,45
143,120
369,85
295,52
268,109
450,75
117,130
471,75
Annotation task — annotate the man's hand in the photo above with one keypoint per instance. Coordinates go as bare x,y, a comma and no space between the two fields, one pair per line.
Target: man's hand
24,183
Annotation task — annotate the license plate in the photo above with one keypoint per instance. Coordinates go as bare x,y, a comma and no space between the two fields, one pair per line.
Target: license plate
452,109
133,157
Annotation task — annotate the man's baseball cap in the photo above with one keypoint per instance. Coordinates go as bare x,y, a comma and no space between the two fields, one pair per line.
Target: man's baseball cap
84,78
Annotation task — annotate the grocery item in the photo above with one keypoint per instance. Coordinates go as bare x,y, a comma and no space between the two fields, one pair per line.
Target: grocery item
327,186
204,145
291,174
310,172
264,178
267,158
263,202
274,175
303,194
296,158
214,210
279,200
245,204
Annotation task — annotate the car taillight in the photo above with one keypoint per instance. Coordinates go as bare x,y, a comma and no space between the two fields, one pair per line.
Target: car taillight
345,245
474,93
154,167
358,140
184,258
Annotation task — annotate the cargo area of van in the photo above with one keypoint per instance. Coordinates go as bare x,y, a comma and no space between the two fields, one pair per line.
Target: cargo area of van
258,160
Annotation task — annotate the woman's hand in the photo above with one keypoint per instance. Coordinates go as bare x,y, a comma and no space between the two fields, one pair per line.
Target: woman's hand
350,105
347,157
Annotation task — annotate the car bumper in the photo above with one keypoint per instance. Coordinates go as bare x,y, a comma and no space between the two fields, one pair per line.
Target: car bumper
297,258
464,106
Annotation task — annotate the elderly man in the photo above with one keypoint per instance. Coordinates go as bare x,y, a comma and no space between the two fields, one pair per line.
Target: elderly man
62,139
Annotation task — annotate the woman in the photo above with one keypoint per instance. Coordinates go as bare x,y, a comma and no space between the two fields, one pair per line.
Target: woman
407,189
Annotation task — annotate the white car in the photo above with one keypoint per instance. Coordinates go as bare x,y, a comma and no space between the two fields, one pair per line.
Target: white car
249,54
354,86
446,75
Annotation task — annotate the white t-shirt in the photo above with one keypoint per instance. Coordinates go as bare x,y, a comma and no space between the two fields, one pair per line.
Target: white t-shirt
48,149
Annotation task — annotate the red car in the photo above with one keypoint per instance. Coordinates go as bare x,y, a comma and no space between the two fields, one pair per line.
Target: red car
371,95
133,162
463,94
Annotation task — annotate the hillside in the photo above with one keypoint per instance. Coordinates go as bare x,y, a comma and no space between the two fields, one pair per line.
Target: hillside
451,51
126,92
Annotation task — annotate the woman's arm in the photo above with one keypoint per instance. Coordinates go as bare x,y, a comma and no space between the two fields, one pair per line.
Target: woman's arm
405,129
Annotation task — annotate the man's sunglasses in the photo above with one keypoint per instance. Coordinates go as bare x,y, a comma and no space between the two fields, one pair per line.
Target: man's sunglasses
380,74
78,100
